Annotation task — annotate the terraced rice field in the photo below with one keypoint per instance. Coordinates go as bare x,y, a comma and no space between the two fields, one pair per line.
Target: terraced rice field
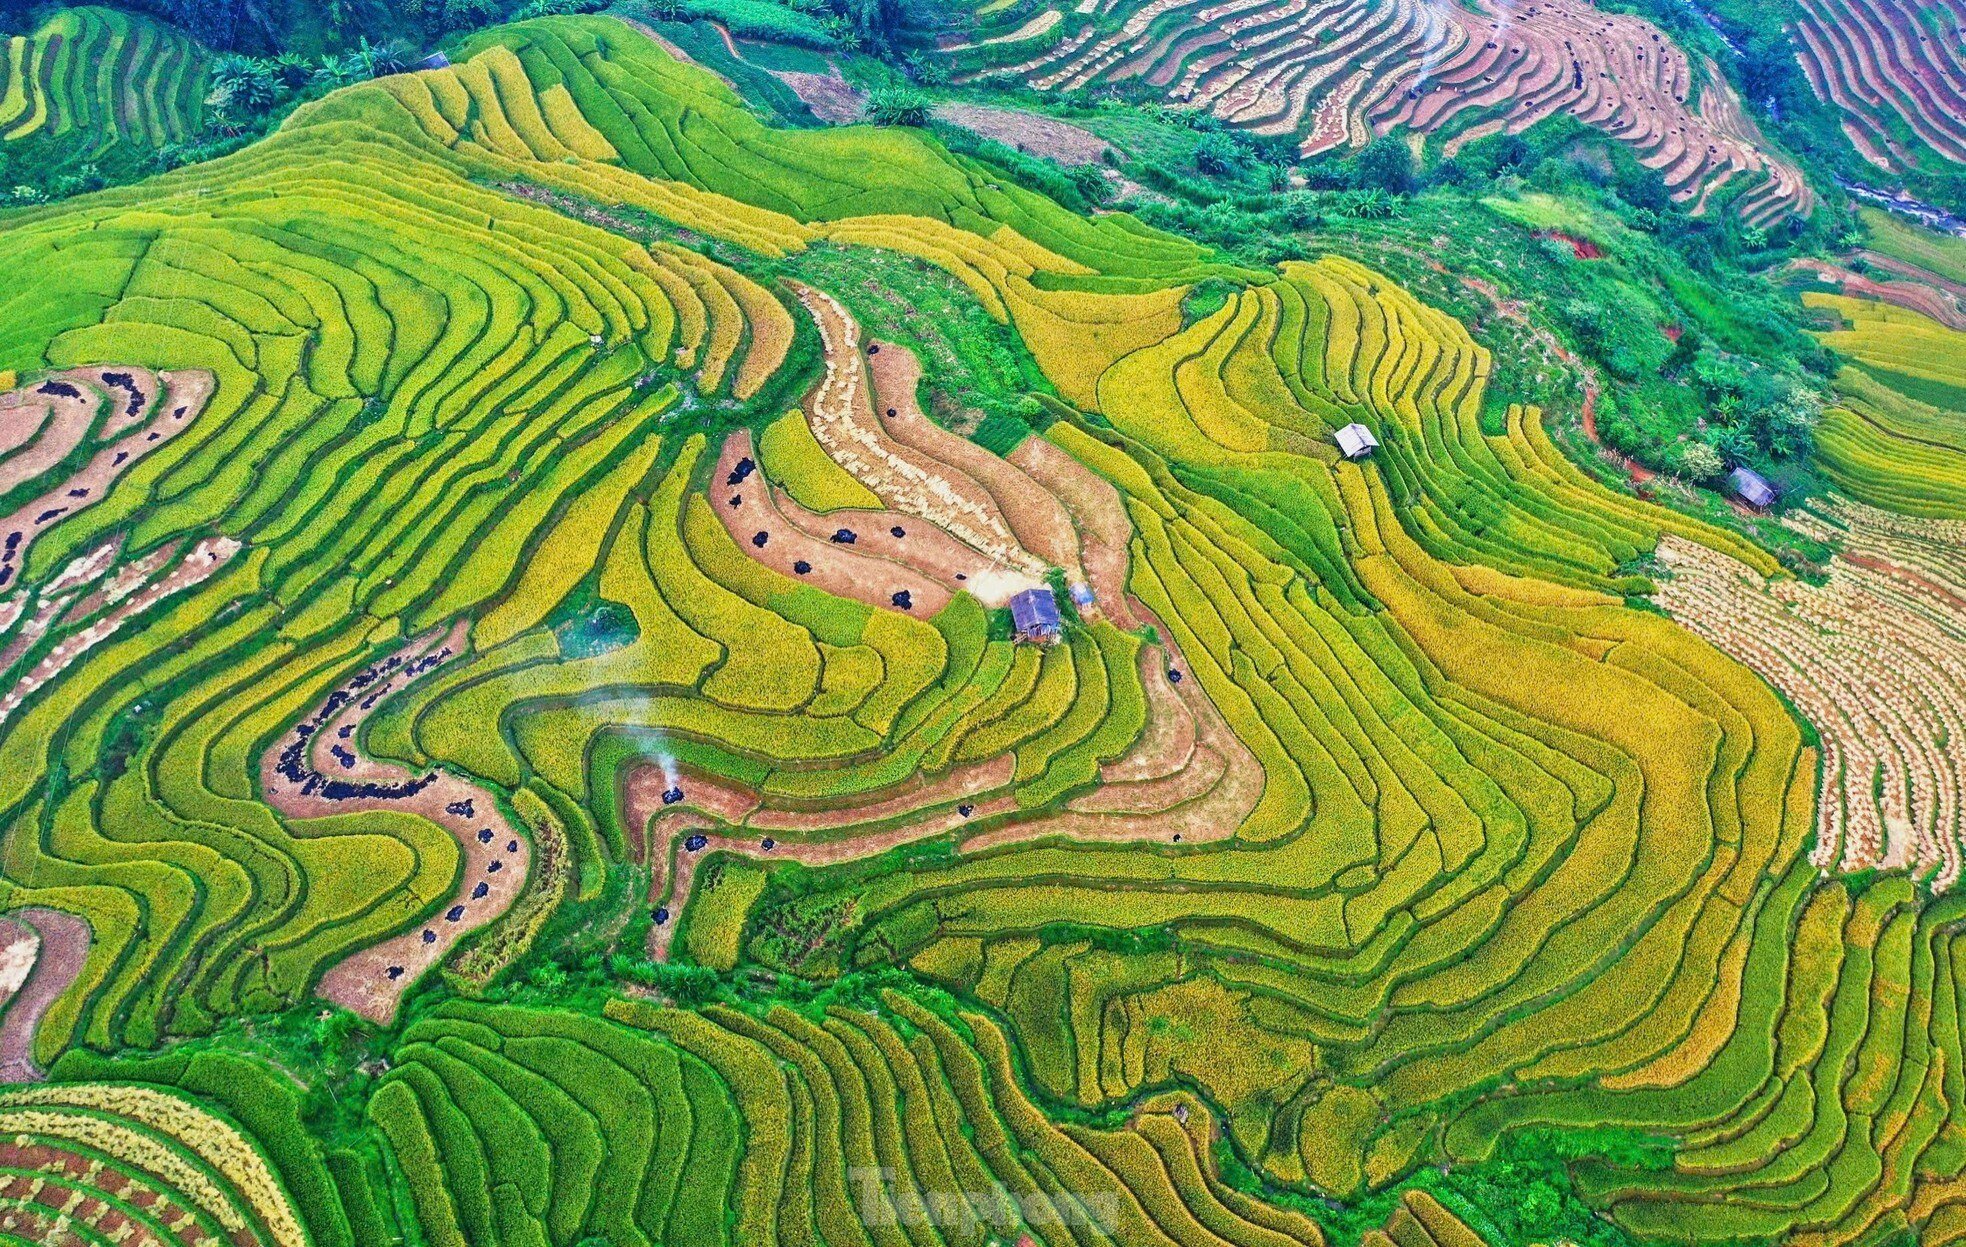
1896,439
1895,70
96,78
1330,74
450,564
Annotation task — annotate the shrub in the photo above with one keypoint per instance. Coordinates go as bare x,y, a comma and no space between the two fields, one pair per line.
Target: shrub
1218,154
894,105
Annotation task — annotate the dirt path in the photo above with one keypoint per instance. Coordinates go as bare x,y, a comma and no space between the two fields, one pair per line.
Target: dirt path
1512,309
676,53
313,771
1903,268
56,948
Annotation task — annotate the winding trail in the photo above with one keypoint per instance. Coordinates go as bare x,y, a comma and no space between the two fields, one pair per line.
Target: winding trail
314,771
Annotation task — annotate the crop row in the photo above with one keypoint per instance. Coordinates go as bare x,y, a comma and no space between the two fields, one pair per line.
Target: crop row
1497,851
1872,660
133,1158
1895,439
532,1126
339,300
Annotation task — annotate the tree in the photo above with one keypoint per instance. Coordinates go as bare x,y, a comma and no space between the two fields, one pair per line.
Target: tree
246,84
1385,164
378,60
1785,424
293,71
876,24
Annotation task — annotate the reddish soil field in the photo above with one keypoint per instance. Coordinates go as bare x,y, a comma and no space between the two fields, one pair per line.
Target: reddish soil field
1098,516
299,774
1332,75
62,950
923,562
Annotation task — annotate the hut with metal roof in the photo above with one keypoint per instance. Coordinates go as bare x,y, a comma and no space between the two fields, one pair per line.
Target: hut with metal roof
1752,488
1355,441
1034,616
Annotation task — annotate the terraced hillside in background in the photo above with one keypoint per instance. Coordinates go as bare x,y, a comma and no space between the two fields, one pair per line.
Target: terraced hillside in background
1332,75
1897,72
92,80
486,507
1897,438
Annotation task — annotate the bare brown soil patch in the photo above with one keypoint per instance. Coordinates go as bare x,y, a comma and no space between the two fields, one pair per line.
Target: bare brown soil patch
61,949
828,96
1098,516
844,421
1032,133
92,618
873,569
1034,516
104,405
